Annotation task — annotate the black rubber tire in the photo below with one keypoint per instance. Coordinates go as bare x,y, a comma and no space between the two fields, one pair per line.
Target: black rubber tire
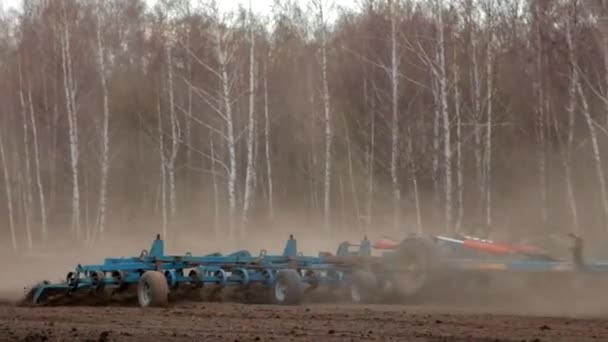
153,290
363,287
287,288
415,264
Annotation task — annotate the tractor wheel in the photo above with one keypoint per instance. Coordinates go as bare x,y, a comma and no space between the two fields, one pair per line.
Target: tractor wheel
153,290
287,288
363,286
414,266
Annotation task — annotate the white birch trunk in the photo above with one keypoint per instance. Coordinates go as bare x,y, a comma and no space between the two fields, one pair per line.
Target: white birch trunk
328,126
414,180
476,85
395,122
216,208
488,154
105,139
250,129
540,119
459,162
230,130
41,195
574,79
189,116
447,148
174,136
163,171
9,193
27,177
596,153
436,138
267,145
371,161
68,82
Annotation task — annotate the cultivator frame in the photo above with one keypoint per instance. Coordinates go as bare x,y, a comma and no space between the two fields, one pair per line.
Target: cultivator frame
406,268
156,275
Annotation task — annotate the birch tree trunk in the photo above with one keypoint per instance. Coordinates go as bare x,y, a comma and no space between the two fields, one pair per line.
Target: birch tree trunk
8,192
447,148
540,114
328,126
488,154
105,140
574,79
371,161
596,153
395,121
216,209
414,179
222,60
163,170
267,145
250,129
189,116
68,84
436,139
174,137
476,86
459,162
41,195
27,178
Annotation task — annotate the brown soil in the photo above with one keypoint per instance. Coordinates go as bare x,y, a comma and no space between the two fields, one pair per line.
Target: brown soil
308,322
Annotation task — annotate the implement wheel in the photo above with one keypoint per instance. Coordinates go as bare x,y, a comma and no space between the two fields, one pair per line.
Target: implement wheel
363,286
153,290
287,288
415,265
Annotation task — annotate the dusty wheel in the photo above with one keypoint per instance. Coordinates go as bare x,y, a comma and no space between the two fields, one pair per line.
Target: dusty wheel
363,286
97,278
153,289
287,289
414,265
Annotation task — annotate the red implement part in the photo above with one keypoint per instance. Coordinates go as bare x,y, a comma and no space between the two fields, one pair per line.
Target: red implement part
490,247
385,244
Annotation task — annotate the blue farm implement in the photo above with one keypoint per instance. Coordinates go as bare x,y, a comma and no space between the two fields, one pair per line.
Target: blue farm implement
420,267
155,276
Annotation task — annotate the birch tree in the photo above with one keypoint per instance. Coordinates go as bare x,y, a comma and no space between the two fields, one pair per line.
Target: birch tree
27,198
163,168
250,128
228,119
394,77
370,154
174,134
327,116
8,190
489,100
476,100
540,108
572,96
70,98
447,148
267,144
105,139
41,194
459,157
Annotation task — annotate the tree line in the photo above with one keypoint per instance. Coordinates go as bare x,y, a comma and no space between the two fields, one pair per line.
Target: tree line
401,115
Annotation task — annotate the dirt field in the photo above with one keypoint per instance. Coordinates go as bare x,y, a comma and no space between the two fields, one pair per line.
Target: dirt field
314,322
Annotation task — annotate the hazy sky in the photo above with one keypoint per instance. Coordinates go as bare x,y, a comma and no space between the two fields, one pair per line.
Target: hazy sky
262,6
258,5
